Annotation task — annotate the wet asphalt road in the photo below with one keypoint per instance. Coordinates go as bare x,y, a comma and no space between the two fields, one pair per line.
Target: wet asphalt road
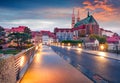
97,68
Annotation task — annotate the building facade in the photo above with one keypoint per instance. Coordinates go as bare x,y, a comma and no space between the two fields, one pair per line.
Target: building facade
82,28
88,26
63,34
47,37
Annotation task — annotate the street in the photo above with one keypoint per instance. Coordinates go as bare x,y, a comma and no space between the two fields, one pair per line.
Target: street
96,68
48,67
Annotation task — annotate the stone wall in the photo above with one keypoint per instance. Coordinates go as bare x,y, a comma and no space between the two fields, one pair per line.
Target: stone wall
10,69
7,70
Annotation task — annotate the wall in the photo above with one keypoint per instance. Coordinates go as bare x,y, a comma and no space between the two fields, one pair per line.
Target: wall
13,67
7,70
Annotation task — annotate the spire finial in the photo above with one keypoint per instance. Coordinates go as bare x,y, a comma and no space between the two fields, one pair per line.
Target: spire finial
88,13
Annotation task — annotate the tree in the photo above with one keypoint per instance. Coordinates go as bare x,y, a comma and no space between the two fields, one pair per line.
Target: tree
2,35
93,37
101,39
19,38
27,30
72,42
1,28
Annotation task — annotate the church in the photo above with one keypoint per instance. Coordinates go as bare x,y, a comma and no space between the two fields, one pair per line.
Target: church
85,27
79,28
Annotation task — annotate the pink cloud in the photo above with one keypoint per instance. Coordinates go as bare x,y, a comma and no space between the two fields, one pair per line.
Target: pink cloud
107,13
98,4
87,3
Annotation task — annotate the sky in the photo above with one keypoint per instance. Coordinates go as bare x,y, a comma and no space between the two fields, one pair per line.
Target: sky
48,14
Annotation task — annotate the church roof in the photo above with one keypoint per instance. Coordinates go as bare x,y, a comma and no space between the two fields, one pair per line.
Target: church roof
88,20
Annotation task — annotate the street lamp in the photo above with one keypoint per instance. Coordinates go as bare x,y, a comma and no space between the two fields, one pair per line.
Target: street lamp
79,45
22,60
62,44
102,47
68,44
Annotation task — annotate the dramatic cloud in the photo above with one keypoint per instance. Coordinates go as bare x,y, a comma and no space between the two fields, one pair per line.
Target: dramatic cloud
47,14
104,5
106,12
36,24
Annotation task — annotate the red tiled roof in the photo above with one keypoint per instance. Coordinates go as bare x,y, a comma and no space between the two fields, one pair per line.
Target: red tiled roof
18,29
112,39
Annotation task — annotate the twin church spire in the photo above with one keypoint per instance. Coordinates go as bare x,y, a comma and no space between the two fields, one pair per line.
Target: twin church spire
78,17
73,18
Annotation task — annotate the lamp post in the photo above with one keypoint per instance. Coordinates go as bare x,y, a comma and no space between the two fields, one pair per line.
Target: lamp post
62,44
68,44
102,47
79,45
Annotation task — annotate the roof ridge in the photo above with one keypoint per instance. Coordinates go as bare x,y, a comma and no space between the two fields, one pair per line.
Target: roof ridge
86,20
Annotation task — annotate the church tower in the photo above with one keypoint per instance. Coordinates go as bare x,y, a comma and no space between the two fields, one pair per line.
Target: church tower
73,19
78,16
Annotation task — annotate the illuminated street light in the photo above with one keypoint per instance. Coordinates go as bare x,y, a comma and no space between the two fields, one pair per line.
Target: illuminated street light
102,47
68,44
62,44
22,60
79,45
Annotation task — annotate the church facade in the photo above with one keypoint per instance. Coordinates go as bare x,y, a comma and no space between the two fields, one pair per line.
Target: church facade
79,29
87,26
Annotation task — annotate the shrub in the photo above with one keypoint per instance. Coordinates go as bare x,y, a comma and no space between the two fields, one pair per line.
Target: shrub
72,42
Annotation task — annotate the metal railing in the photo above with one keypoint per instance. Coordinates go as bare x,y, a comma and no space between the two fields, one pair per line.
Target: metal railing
22,61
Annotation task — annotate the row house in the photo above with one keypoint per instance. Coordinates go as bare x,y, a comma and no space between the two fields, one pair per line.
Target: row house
36,37
107,33
48,37
63,34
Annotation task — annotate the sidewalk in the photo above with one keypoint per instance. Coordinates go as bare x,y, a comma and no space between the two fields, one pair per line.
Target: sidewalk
48,67
100,53
104,54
